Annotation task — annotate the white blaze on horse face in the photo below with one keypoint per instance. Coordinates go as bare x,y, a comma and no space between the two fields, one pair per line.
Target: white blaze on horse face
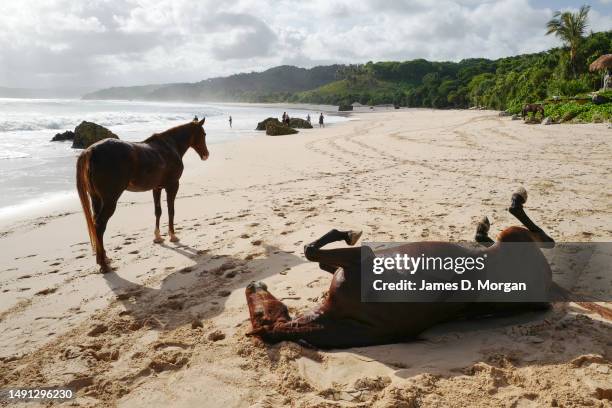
204,155
339,276
198,141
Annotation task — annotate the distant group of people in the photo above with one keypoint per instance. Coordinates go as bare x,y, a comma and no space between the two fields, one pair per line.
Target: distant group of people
286,119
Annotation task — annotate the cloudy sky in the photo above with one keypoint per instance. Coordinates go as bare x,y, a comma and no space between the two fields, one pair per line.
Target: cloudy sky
95,43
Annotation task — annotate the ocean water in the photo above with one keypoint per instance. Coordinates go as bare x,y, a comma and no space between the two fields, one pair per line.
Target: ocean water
35,172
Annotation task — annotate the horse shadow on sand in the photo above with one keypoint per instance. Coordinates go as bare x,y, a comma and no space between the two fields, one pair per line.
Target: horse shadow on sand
198,292
538,338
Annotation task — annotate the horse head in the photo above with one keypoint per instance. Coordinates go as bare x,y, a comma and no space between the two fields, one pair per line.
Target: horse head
264,309
198,139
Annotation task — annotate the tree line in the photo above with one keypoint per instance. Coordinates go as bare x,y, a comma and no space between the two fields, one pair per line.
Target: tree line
505,83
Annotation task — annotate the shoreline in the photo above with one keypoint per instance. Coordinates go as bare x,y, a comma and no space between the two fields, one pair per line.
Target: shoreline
168,326
52,201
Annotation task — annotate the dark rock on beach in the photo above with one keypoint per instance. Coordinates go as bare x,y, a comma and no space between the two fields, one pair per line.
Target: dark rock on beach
599,99
264,123
298,123
62,137
88,133
273,129
344,108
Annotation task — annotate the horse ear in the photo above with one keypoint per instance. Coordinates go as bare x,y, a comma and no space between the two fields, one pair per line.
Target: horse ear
201,123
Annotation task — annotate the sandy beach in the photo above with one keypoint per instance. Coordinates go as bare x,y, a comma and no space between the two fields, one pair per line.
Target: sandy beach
167,327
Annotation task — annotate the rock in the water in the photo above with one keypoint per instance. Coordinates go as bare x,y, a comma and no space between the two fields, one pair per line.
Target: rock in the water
344,108
264,123
548,121
61,137
298,123
88,133
515,117
504,113
272,129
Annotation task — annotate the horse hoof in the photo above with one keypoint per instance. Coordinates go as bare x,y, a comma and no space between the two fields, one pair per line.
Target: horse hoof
522,192
483,226
158,240
105,269
174,238
353,237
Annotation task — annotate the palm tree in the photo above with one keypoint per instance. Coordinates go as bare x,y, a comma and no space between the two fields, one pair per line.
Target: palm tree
570,28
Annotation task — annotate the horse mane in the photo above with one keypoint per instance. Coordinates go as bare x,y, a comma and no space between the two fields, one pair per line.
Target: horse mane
172,132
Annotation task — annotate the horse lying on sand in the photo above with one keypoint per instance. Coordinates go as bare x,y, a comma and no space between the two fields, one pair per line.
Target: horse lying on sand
532,107
342,320
109,167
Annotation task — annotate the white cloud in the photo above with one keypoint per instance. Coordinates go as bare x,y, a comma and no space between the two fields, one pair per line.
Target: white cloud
119,42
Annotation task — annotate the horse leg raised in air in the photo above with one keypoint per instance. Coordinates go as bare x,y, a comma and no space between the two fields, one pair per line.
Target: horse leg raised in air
109,167
342,320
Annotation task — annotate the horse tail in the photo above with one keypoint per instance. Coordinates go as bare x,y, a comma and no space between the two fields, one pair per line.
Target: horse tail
600,310
84,189
564,295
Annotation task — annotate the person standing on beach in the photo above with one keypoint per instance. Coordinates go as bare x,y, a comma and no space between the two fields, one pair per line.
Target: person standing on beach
284,118
308,118
230,120
321,123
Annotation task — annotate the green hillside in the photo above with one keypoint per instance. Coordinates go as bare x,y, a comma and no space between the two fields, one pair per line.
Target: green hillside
505,83
346,92
274,84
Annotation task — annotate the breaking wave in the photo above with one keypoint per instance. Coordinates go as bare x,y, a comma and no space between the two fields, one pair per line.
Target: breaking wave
8,154
30,122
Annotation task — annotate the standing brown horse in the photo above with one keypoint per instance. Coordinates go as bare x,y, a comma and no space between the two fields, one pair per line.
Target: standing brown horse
111,166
